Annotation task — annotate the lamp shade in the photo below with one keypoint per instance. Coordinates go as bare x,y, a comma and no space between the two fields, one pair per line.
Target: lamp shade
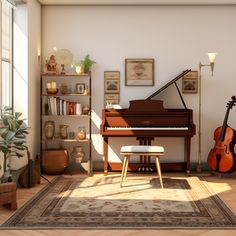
212,57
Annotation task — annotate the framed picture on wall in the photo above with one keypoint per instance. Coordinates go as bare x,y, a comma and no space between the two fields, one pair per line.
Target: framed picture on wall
111,99
111,88
190,82
139,72
111,75
112,85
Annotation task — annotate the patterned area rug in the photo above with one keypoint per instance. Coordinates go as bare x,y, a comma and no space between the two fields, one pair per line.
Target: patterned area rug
99,203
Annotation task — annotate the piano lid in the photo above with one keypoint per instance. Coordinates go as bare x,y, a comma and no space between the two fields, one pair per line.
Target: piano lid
173,81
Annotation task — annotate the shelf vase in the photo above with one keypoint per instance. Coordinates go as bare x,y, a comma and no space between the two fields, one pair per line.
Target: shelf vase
64,131
81,135
77,154
49,129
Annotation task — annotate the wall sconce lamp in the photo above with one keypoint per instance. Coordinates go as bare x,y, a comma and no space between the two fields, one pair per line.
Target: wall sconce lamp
212,57
39,55
54,50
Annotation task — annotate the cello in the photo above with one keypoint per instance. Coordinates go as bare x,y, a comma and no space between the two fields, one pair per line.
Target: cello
222,157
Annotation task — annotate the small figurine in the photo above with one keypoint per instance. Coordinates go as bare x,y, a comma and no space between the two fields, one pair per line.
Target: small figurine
51,65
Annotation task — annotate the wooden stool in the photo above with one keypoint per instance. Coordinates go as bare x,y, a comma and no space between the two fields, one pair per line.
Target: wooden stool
8,195
129,151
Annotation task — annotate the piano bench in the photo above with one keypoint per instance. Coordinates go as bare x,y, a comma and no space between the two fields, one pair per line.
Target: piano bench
128,151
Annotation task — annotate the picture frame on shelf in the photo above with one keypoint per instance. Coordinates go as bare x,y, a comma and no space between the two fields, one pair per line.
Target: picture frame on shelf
190,82
80,88
139,72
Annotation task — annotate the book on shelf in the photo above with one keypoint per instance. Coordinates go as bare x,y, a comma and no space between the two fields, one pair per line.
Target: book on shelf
57,106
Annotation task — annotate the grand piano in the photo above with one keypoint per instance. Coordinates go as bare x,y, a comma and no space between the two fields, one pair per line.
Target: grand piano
145,120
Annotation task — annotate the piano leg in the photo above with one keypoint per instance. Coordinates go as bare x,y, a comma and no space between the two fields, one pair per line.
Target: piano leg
141,158
187,154
149,144
105,150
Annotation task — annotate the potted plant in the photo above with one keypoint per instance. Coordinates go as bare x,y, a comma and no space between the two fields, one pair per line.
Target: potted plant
13,131
87,63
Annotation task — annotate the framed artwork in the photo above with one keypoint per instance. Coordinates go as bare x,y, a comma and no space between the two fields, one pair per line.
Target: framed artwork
79,88
139,72
111,88
110,99
190,82
112,85
111,102
111,75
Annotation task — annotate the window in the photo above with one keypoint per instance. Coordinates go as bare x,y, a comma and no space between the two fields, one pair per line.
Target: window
6,54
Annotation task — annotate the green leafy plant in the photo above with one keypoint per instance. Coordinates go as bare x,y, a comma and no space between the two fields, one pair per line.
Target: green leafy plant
13,131
87,63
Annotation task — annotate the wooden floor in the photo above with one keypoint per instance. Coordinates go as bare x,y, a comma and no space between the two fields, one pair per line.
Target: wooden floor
223,185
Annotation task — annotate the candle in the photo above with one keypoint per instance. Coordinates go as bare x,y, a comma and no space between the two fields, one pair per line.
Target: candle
78,69
48,85
78,109
53,85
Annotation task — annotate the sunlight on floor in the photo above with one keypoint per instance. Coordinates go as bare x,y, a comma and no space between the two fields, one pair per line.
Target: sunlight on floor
144,182
218,187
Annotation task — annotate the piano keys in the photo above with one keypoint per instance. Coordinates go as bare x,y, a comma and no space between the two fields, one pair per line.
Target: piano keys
145,120
147,128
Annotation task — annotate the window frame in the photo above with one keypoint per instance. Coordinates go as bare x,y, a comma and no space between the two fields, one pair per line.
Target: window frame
10,60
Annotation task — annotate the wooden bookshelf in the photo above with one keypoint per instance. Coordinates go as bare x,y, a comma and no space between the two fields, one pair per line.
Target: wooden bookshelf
60,115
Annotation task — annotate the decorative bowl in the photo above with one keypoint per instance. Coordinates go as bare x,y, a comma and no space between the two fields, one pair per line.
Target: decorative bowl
52,90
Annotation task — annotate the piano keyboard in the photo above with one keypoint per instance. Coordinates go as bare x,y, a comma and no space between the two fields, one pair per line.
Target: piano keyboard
147,128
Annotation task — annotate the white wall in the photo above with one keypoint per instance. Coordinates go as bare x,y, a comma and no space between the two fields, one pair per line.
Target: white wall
34,73
20,71
27,69
177,37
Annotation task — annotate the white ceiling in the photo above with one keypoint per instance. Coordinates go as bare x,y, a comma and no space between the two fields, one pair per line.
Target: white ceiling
137,2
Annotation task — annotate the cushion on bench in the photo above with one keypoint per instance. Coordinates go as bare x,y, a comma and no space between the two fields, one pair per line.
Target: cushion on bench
142,149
